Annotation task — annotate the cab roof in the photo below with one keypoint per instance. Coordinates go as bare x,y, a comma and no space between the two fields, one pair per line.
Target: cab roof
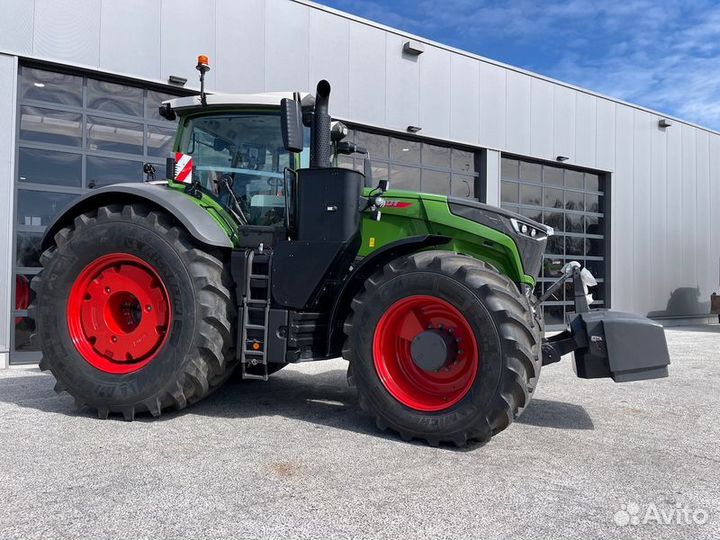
268,99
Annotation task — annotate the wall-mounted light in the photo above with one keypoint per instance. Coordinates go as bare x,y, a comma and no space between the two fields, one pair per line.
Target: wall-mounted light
414,48
176,80
413,129
562,158
664,123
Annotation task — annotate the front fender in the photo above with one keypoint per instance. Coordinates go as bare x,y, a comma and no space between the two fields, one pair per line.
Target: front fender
198,222
363,270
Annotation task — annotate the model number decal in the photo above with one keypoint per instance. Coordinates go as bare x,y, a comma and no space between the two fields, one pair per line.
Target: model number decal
389,203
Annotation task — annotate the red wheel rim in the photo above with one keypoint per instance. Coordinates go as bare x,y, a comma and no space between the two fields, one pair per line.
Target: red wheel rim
118,313
427,391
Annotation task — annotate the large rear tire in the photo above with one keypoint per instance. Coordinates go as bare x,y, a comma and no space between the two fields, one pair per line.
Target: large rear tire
483,327
133,315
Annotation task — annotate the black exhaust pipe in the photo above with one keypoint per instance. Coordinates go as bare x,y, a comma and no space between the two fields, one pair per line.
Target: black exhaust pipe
320,148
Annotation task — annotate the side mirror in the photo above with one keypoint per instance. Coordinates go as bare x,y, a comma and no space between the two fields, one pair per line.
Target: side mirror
291,125
384,185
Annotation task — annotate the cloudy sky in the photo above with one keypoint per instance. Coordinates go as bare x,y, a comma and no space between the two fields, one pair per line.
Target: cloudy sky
661,54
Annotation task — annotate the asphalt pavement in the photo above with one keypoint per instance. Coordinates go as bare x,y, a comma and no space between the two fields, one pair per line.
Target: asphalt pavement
295,458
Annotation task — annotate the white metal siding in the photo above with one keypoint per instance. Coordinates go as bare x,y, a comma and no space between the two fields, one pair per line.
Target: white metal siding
464,98
67,34
140,50
17,37
329,57
492,121
240,46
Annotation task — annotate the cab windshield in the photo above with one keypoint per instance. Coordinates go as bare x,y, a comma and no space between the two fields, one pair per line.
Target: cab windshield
245,152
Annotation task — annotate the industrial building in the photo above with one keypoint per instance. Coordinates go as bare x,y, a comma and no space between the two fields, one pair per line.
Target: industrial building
631,193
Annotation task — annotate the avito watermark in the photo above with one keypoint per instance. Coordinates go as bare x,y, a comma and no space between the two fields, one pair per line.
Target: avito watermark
633,514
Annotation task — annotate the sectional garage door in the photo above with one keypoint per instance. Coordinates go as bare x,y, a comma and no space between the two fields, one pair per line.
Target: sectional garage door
572,201
74,132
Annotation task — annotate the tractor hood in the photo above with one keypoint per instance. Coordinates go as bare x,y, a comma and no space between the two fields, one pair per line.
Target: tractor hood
529,236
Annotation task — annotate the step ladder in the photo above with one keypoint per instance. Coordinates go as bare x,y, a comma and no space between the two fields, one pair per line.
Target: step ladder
256,312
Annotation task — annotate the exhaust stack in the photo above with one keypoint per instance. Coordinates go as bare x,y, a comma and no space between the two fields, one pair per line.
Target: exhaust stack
320,148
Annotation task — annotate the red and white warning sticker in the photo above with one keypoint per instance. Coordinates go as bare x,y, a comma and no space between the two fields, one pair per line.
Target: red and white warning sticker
183,168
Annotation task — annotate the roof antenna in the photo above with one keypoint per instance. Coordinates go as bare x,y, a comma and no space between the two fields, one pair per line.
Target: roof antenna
203,66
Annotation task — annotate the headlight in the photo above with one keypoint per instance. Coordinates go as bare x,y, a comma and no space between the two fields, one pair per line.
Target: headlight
529,230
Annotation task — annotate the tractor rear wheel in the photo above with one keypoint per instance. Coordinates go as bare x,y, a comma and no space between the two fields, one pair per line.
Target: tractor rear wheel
442,348
134,316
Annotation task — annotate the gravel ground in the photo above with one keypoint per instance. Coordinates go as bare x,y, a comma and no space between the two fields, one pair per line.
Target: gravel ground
294,458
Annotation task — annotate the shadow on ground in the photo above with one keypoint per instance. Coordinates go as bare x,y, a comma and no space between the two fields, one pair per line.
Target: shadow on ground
324,399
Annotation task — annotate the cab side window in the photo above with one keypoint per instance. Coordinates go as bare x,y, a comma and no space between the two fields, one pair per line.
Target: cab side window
245,151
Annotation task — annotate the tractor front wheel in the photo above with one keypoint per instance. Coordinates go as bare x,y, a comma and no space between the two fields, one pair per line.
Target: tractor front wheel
133,315
442,348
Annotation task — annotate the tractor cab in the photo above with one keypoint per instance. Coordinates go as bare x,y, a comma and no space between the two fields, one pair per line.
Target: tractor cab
233,149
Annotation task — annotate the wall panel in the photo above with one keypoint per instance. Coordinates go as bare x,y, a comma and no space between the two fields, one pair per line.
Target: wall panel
286,46
605,145
402,85
128,43
642,188
240,48
676,271
435,84
68,30
17,37
541,122
702,217
493,106
585,130
564,122
181,42
329,58
622,222
519,91
714,225
464,99
658,235
367,77
689,198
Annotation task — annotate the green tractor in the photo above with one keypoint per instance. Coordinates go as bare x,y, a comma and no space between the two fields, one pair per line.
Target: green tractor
256,252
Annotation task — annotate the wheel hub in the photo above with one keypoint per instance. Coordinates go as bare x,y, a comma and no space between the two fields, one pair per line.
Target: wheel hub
433,349
118,313
425,353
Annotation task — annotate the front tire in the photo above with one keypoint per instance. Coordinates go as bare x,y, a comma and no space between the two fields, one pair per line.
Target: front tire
133,315
486,333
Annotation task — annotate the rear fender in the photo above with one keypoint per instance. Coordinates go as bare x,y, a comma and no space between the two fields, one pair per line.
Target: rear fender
198,222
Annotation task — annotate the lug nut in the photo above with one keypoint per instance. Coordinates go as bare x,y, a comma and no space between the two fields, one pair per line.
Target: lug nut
107,290
113,339
148,308
460,351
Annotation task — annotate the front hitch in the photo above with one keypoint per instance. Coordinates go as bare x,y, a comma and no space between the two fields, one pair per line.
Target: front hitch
622,346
